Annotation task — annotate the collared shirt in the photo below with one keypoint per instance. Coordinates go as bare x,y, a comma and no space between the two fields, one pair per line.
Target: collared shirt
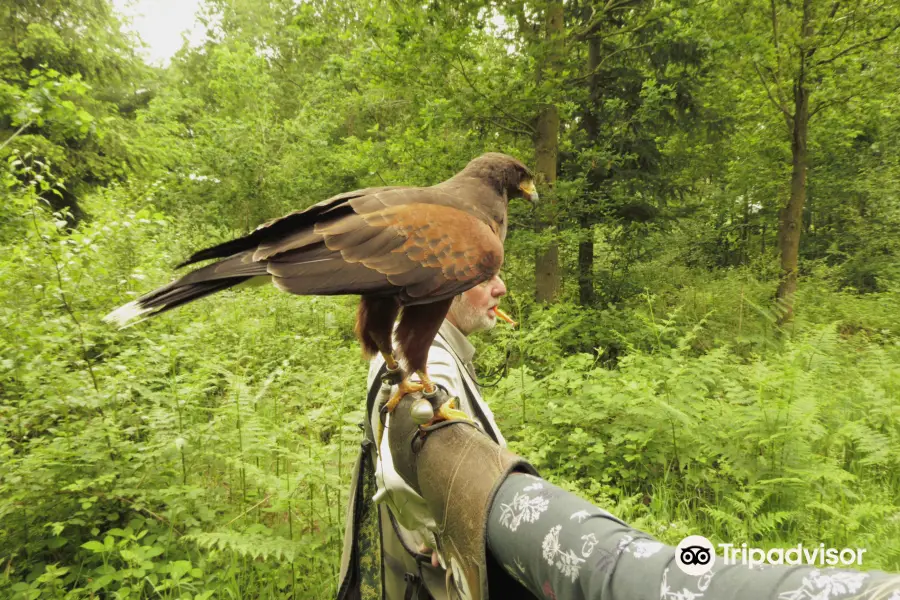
448,368
459,344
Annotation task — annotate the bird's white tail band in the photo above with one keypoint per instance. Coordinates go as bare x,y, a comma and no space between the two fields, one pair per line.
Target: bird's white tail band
125,314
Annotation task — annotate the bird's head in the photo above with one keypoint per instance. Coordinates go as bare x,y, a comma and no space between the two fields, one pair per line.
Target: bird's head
506,174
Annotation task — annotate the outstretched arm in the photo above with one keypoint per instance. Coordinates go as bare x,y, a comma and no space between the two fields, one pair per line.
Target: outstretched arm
561,546
557,545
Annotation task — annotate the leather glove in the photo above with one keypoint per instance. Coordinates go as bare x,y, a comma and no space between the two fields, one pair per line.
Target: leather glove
457,469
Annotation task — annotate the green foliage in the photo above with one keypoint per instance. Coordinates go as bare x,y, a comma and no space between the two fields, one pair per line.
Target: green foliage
67,76
207,453
796,443
135,454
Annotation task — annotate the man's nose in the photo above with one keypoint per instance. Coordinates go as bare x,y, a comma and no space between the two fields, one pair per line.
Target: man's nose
499,288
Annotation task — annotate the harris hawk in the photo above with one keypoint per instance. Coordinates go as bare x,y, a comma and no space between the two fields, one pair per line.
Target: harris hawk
407,251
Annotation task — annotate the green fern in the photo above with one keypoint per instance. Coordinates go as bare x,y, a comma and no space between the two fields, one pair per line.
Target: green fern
264,546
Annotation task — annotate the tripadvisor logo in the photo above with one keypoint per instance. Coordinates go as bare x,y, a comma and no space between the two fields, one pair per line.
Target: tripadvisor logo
695,555
795,555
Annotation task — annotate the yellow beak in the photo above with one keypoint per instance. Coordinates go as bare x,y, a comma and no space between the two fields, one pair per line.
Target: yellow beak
529,190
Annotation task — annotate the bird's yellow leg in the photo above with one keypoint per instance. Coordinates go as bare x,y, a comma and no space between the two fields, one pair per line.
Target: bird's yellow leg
409,387
406,387
426,381
390,361
403,388
449,410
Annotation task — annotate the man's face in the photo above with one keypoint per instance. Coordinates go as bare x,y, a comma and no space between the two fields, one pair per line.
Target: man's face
473,310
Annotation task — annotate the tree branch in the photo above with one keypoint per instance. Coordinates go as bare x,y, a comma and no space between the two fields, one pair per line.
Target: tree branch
597,21
777,85
506,128
524,124
85,356
400,63
847,24
774,17
827,103
853,47
788,117
831,14
284,73
528,30
834,9
781,103
16,134
605,58
583,35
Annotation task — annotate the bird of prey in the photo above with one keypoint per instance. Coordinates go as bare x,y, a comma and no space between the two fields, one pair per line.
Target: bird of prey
407,251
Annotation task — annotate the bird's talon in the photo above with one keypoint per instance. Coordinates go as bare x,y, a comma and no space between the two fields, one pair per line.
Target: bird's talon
448,412
405,387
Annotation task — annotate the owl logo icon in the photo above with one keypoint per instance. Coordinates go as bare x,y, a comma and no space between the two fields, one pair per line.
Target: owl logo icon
695,555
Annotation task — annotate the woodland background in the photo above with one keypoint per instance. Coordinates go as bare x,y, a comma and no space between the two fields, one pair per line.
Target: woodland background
698,161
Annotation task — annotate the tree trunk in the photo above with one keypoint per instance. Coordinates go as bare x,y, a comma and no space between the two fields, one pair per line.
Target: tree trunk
791,216
546,146
595,178
586,264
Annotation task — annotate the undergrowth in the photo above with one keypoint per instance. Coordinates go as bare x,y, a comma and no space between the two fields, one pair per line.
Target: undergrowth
207,453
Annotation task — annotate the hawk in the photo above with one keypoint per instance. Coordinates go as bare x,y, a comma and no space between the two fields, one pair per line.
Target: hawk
407,251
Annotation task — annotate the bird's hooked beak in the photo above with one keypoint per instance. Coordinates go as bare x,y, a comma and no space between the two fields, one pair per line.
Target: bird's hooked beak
529,191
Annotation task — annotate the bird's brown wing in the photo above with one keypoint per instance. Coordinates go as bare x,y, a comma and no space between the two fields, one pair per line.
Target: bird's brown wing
332,208
421,252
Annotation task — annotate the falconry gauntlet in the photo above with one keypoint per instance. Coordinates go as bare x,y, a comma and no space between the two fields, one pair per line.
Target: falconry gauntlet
437,464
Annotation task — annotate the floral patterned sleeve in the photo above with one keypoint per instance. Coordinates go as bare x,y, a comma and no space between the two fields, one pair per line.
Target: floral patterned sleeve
559,546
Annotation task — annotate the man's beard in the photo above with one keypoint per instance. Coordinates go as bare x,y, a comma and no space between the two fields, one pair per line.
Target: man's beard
468,318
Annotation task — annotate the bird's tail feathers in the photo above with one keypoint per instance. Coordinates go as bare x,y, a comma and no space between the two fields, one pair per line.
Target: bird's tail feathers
166,298
194,285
